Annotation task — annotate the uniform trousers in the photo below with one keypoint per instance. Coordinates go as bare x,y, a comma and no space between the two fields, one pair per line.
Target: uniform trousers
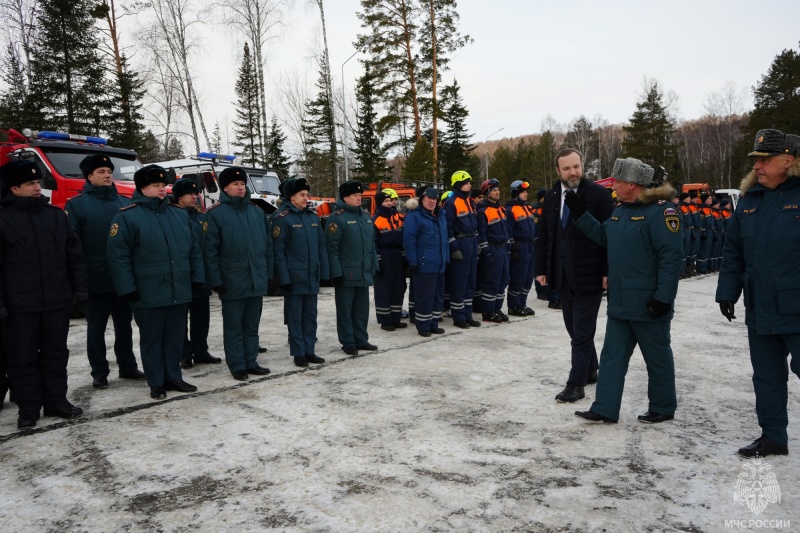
526,288
161,342
195,338
687,247
352,314
98,308
694,248
430,299
37,357
579,310
462,279
770,377
390,287
704,251
520,272
240,319
495,279
653,338
3,368
301,317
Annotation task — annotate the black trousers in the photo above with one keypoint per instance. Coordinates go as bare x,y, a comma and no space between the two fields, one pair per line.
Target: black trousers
98,308
161,342
195,340
3,368
37,356
579,310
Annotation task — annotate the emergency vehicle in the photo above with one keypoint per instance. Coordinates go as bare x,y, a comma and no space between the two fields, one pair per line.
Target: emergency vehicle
58,156
405,191
204,169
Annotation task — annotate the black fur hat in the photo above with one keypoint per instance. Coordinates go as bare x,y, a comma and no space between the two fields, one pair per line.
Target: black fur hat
231,174
148,175
184,186
294,186
17,172
350,187
90,163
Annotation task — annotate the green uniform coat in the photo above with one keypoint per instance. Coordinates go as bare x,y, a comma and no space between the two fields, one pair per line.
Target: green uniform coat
351,246
301,255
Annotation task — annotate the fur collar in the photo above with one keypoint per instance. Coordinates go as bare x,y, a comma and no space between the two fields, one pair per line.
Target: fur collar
751,179
651,196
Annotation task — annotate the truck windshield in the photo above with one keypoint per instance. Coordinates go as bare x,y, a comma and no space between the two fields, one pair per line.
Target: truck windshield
265,183
67,163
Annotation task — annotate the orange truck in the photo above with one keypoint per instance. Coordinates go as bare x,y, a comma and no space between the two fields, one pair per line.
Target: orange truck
405,191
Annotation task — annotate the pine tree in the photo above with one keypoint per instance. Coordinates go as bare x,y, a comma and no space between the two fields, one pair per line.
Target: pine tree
150,150
777,101
125,119
419,163
69,76
276,157
16,110
650,133
319,133
455,147
247,122
216,139
369,156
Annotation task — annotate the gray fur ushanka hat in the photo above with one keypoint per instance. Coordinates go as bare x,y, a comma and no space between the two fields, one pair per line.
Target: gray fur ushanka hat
632,170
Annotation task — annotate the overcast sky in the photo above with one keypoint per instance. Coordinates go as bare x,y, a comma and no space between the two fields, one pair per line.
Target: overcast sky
532,58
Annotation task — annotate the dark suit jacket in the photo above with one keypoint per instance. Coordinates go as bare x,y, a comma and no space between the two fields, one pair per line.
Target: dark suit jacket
570,258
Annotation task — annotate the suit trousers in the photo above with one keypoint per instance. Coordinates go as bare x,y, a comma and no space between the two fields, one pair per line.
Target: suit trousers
653,339
240,319
98,308
579,310
301,317
161,342
352,315
770,377
37,357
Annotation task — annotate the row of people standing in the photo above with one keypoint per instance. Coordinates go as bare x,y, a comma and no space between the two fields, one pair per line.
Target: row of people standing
705,221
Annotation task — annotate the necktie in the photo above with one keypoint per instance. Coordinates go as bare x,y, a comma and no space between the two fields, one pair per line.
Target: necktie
564,215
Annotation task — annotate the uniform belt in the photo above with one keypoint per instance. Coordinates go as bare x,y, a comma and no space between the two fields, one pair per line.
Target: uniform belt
465,235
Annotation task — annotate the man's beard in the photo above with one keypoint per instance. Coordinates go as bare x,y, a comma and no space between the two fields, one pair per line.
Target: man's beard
571,184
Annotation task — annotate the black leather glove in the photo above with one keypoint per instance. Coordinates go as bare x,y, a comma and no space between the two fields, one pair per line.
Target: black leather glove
658,309
338,281
131,296
197,287
286,288
413,269
457,256
576,204
220,289
726,308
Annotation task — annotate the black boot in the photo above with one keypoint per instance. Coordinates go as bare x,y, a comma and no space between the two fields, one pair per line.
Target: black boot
570,394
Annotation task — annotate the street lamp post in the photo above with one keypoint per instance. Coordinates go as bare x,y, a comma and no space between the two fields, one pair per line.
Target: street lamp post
344,112
487,149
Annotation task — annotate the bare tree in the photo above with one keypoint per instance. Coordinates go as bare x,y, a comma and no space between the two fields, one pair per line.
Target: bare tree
725,109
256,20
172,39
19,18
293,94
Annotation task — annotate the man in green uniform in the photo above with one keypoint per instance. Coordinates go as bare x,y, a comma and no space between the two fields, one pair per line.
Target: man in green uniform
90,215
238,258
645,249
155,259
353,262
301,262
761,260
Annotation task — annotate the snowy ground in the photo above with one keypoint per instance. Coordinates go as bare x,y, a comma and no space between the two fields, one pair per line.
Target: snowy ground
459,432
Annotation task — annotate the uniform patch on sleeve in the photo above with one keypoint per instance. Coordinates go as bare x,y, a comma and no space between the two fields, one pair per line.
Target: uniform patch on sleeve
749,211
332,227
673,224
276,232
670,211
114,229
205,227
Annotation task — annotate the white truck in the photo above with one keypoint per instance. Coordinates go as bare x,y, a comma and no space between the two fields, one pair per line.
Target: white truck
204,169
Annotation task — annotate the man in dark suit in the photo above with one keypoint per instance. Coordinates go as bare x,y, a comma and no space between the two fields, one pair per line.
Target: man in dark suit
568,260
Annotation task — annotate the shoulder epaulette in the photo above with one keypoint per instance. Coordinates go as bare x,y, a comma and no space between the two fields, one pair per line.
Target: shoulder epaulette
213,206
661,202
129,206
338,212
283,213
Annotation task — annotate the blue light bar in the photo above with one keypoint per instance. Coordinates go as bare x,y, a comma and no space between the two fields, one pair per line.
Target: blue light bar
211,155
61,136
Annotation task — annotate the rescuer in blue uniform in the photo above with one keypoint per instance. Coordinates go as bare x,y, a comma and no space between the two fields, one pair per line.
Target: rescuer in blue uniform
761,260
90,215
239,262
195,341
426,244
645,246
688,228
155,260
462,234
523,231
706,234
719,230
697,227
42,269
390,281
301,263
494,235
353,262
